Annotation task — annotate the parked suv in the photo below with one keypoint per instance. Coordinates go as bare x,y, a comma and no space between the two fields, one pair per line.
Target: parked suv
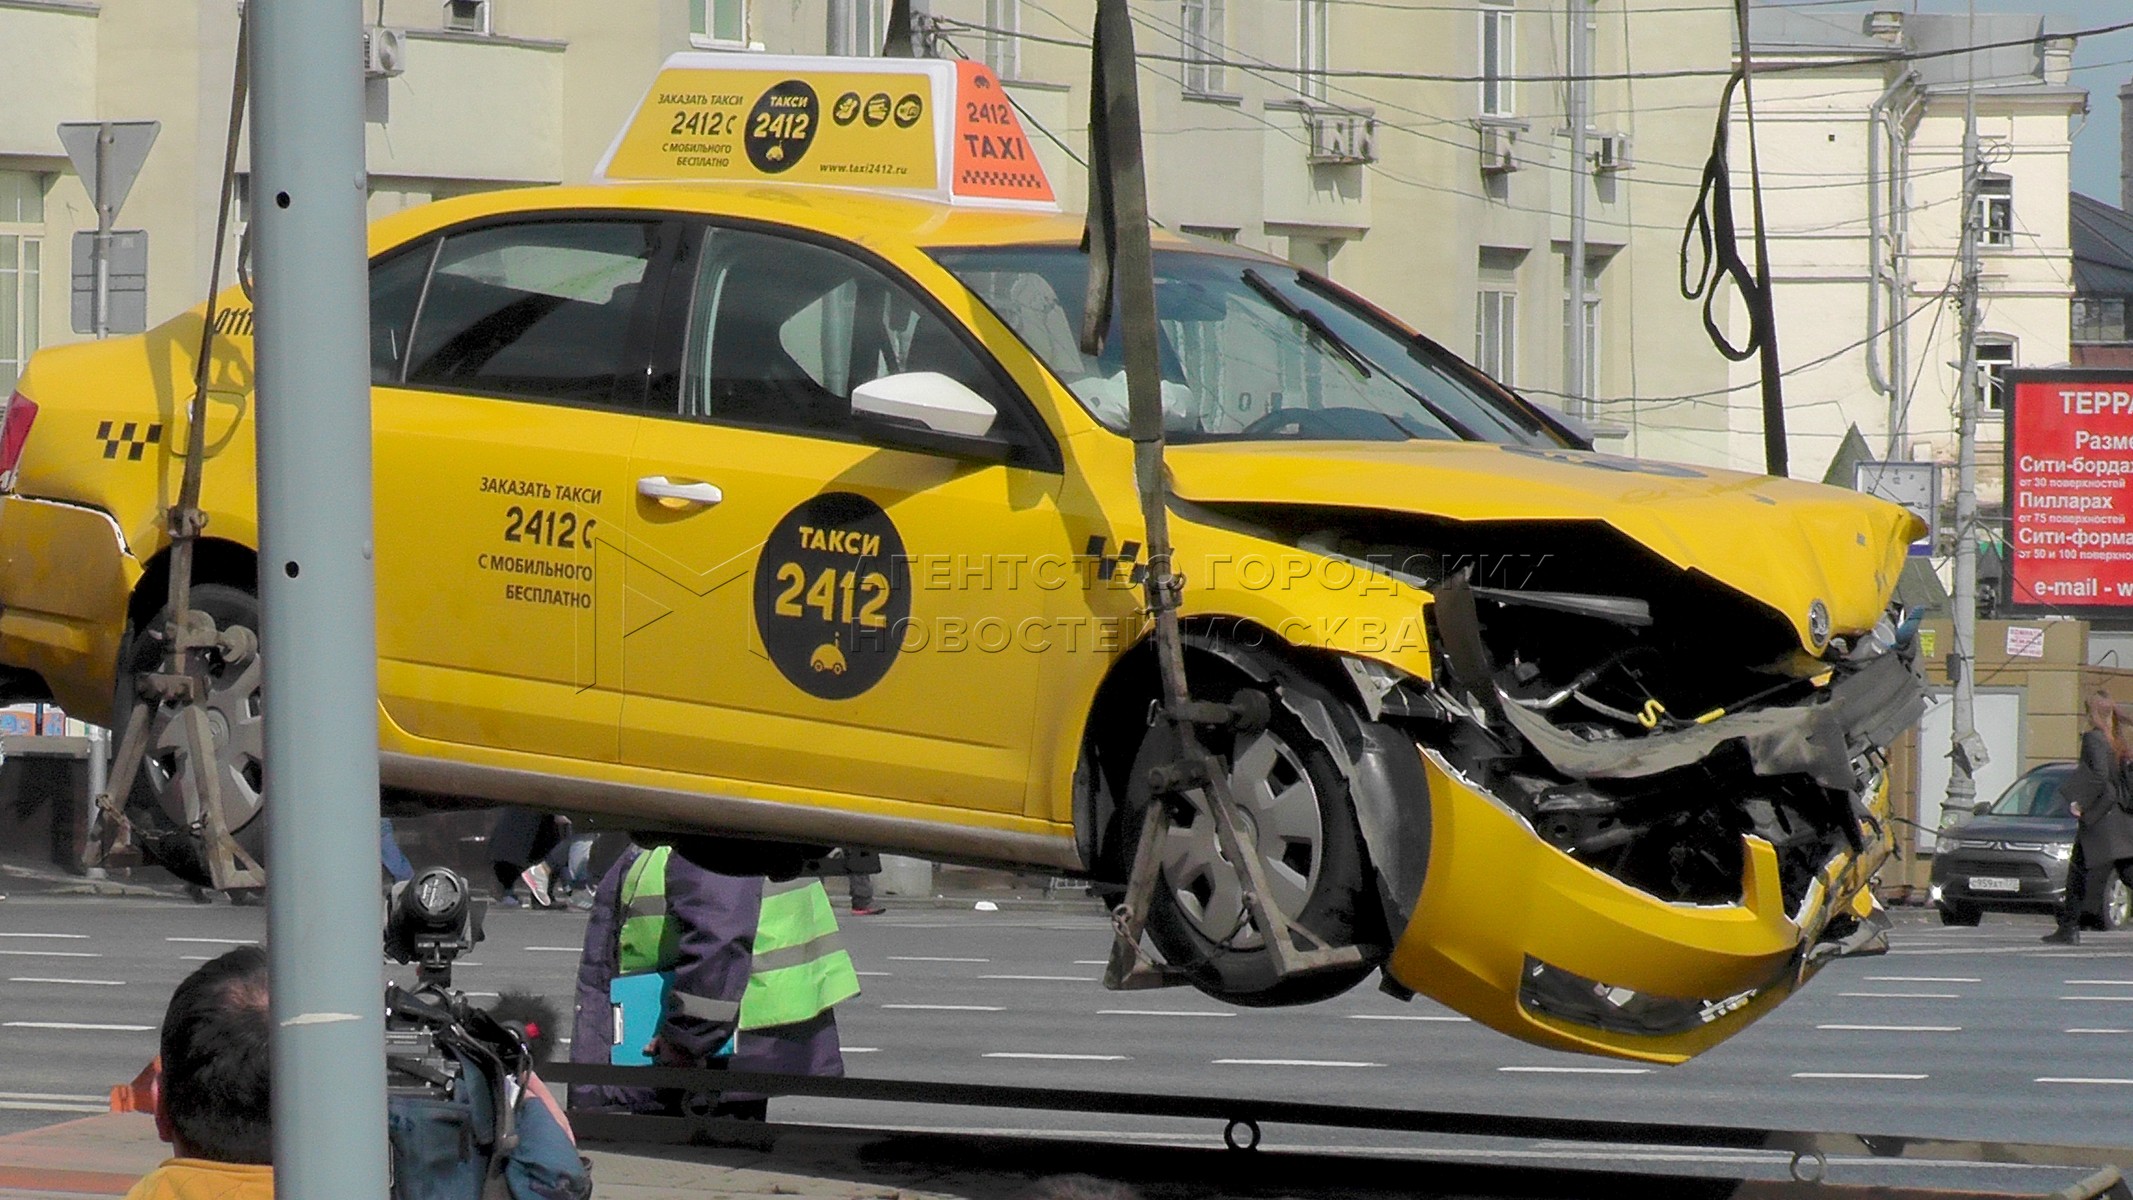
2012,856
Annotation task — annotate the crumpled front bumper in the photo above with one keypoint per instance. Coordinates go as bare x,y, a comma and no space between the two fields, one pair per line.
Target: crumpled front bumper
1507,956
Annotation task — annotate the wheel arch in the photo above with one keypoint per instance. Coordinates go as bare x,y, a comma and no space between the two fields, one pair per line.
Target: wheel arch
215,560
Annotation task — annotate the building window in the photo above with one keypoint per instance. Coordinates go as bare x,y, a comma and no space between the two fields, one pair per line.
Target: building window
1498,60
1994,356
1995,210
719,22
857,27
21,271
1003,37
2100,319
1311,35
1496,334
467,16
1202,46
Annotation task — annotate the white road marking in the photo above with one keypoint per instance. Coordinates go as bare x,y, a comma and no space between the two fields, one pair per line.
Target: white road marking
1158,1012
2097,1031
1902,995
933,958
82,982
72,936
1884,1075
557,949
2078,1079
1922,979
1092,962
873,974
1058,1057
211,958
2098,982
949,1007
1406,1017
1896,1028
97,1100
1577,1070
216,941
1043,978
51,953
2120,999
53,1106
75,1025
860,1049
1291,1062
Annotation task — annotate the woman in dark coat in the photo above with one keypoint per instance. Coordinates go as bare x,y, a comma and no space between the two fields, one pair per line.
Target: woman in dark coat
2103,846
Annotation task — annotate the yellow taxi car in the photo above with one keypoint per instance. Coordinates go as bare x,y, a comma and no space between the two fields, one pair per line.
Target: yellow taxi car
723,495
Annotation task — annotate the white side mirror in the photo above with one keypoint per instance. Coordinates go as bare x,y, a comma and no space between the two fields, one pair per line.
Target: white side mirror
929,398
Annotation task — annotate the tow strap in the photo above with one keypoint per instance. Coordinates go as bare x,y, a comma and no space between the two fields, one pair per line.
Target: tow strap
1711,224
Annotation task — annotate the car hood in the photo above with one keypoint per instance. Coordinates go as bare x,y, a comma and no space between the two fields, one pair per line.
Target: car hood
1783,542
2017,829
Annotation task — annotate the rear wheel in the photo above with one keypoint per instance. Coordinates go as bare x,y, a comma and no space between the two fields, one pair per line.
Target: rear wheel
2117,904
156,805
1960,914
1295,812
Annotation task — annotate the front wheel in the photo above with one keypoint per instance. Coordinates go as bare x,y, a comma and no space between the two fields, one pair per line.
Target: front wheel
1295,812
2117,904
156,804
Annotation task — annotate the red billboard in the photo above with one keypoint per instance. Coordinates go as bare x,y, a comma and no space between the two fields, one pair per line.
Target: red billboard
2069,508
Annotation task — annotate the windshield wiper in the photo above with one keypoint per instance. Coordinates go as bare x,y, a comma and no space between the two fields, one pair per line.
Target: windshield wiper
1309,320
1317,324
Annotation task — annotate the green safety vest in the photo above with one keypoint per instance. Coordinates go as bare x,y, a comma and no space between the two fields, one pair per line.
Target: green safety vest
800,967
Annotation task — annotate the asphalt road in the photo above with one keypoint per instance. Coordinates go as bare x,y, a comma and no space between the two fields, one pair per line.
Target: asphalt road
1959,1033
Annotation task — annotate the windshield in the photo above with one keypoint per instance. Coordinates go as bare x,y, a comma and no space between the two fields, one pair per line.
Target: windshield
2032,796
1249,350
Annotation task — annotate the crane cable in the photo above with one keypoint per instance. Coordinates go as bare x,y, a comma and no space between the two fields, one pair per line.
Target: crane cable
1711,226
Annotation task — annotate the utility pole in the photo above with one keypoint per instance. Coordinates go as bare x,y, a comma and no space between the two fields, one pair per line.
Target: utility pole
1966,752
319,626
1575,385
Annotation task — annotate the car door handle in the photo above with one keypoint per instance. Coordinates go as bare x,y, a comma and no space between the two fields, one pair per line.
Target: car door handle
659,487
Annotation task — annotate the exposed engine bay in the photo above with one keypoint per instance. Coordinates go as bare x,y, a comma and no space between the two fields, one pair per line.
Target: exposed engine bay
1641,717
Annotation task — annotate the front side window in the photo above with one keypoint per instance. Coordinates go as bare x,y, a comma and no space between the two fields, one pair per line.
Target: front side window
780,332
21,271
1995,210
719,22
1250,350
539,311
1498,60
1201,43
1311,33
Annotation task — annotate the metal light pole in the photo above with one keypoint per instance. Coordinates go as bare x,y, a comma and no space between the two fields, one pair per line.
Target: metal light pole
1579,388
1965,752
319,633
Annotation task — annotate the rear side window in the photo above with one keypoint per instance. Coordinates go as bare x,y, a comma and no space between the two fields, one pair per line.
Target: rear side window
395,290
539,311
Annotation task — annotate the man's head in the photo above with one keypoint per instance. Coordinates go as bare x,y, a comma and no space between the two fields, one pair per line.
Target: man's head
216,1062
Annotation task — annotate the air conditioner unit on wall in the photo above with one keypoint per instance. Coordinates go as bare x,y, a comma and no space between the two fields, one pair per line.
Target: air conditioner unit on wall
1499,145
1610,152
1343,138
384,51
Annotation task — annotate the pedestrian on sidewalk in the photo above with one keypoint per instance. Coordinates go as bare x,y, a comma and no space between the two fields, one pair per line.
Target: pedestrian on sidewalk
688,965
861,886
2098,793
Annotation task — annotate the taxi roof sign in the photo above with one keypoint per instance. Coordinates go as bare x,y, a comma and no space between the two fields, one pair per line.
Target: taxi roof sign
922,127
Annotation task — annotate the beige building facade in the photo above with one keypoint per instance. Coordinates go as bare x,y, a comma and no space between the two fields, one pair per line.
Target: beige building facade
1419,154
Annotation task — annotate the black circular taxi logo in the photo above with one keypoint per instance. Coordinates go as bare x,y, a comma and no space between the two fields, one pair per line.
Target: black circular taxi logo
877,108
909,110
780,126
833,595
846,110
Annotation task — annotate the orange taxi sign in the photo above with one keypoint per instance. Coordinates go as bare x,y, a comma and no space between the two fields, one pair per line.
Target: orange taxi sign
920,126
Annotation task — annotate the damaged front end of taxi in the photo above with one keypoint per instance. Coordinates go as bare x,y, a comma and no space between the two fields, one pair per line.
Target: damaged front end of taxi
1661,799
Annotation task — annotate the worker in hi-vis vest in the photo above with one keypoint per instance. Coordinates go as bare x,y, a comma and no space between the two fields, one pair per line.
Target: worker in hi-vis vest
687,966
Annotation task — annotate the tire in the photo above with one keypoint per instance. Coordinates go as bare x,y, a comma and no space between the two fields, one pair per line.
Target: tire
2117,905
156,806
1966,915
1285,779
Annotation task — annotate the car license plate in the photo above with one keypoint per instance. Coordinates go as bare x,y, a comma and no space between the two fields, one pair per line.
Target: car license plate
1994,883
